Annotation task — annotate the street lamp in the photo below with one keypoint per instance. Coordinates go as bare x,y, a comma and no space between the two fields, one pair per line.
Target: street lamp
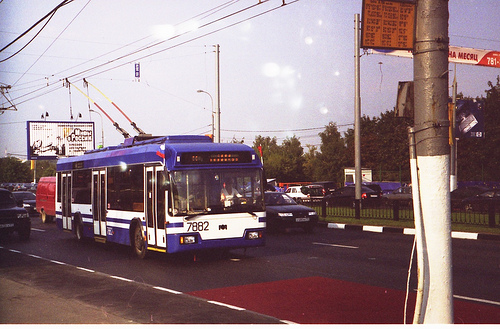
102,127
203,91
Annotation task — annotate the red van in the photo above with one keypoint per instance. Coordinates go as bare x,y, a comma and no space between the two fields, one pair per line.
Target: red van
46,198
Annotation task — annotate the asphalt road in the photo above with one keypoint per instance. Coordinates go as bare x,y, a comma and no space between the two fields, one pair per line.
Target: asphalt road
330,276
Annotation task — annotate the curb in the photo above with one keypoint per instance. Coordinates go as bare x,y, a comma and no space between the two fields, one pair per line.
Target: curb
409,231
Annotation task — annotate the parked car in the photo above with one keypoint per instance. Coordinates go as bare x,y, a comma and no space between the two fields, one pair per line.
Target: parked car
328,186
467,191
283,212
46,198
13,217
481,202
315,193
297,193
402,194
374,187
28,199
345,196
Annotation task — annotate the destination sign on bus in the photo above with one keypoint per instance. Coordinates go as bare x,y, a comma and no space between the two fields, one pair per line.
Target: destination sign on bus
215,157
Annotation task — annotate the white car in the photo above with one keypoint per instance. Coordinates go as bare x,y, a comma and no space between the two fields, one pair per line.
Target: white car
296,193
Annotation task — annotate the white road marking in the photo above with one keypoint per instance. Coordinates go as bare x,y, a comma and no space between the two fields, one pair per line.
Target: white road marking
335,245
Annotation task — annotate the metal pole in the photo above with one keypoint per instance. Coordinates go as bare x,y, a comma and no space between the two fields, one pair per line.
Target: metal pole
453,164
212,100
430,66
357,120
217,95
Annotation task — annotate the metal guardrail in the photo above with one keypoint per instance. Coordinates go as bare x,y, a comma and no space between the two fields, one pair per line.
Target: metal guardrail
478,213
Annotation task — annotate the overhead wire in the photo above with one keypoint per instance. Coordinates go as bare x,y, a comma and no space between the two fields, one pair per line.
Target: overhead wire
172,38
161,42
51,14
52,43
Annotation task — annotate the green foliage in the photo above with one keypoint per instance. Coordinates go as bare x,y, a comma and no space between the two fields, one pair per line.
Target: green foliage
13,170
384,149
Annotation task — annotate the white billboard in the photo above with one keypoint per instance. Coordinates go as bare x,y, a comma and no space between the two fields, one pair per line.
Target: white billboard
56,139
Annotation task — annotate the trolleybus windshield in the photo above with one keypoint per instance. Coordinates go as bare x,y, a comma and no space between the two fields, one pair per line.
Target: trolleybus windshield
214,191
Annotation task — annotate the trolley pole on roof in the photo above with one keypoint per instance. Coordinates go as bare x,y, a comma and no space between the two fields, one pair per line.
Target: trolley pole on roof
431,132
117,126
133,124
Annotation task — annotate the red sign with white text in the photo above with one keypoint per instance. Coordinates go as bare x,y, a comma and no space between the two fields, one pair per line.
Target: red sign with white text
471,56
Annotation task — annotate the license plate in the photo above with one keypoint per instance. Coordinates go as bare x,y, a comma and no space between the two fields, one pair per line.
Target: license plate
6,225
373,196
303,219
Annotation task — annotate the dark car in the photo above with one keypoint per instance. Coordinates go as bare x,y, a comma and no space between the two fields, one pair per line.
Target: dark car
345,196
28,199
283,212
314,192
482,201
467,191
458,195
328,186
374,187
13,217
402,194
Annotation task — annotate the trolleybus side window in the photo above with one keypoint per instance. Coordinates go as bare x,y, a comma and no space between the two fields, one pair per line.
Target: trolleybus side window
161,203
82,183
126,188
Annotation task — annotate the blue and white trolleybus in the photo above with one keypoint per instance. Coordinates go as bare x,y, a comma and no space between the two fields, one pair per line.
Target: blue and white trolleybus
167,194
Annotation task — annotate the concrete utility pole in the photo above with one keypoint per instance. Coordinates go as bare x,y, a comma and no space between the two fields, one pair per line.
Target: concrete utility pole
357,121
431,132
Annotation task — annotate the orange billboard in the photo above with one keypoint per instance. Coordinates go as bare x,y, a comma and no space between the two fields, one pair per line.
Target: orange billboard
388,24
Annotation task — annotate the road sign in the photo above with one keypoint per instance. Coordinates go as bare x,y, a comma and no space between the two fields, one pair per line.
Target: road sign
388,24
461,55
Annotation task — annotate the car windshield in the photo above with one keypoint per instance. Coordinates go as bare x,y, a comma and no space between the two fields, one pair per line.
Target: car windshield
278,199
7,200
315,191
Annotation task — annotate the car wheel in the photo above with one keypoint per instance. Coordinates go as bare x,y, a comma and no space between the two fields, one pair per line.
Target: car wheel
43,216
468,207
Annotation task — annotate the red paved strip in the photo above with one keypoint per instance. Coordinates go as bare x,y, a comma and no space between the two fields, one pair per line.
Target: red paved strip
318,300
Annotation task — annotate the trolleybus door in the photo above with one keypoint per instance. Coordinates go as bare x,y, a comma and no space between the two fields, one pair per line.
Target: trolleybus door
65,189
155,206
99,202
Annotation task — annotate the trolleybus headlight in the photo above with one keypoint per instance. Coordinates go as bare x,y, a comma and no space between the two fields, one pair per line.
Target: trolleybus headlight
252,235
187,239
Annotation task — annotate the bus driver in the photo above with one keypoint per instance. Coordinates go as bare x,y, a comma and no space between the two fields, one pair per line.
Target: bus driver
228,193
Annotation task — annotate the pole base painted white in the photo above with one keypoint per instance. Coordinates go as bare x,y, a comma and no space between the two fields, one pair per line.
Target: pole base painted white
434,178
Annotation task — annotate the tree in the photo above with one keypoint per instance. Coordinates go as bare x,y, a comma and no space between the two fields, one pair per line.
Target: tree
13,170
292,161
270,153
478,159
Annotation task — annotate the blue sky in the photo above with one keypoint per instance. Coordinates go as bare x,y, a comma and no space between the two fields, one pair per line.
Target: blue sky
283,72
